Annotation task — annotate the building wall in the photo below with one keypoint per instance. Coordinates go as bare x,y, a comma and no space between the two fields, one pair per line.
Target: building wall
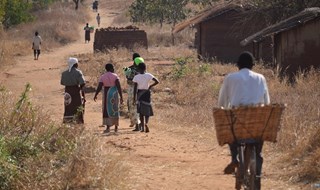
298,48
108,39
220,37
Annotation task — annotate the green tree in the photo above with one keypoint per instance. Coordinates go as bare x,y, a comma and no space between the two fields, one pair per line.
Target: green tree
2,10
203,3
138,11
39,4
159,11
277,10
16,11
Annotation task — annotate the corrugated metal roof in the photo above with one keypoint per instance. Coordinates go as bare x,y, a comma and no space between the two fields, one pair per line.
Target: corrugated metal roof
294,21
207,14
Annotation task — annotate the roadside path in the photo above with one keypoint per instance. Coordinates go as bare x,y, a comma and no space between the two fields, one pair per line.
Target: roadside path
161,159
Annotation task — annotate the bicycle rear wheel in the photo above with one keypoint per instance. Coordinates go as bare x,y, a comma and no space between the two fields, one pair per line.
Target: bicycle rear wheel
240,172
251,167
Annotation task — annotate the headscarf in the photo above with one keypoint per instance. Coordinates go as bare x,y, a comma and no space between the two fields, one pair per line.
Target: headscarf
138,60
72,61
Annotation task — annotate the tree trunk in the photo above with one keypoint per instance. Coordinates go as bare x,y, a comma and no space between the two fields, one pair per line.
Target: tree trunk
172,37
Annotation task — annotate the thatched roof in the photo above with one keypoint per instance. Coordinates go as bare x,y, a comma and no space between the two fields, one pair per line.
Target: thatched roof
207,14
294,21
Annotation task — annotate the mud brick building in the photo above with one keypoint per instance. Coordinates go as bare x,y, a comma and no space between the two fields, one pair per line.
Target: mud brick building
114,38
219,30
296,42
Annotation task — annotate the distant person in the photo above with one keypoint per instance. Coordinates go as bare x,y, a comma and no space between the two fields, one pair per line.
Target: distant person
87,33
130,72
98,19
142,95
36,43
110,99
74,96
95,5
244,88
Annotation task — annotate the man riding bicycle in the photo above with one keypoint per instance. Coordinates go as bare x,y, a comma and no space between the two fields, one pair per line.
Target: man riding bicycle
242,88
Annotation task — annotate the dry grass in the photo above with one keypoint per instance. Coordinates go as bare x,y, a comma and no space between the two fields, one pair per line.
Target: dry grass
184,98
57,26
5,53
38,154
189,89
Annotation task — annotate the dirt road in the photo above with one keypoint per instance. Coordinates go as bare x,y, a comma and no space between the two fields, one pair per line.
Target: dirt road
161,159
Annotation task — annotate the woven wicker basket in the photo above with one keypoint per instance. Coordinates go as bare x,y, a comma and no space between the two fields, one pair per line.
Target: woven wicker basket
251,122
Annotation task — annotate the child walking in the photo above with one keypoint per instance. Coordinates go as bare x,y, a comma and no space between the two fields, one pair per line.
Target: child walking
142,95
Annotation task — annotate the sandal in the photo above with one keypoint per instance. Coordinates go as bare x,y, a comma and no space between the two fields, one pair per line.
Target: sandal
107,130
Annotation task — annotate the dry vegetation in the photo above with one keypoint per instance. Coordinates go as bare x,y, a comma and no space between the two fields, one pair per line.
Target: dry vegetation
57,26
184,99
36,153
189,89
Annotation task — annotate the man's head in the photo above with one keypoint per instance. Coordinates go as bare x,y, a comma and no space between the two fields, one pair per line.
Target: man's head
36,33
109,67
245,60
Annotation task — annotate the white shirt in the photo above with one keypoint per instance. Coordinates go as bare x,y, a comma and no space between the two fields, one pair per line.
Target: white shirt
36,42
143,80
244,87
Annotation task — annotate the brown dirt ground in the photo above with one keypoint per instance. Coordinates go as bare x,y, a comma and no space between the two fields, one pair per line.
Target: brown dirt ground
165,158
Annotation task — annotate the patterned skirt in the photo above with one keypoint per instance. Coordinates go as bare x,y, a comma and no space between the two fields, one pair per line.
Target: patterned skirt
73,105
110,106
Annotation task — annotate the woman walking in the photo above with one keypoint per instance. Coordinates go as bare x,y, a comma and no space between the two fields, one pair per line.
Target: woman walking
142,93
110,100
130,72
87,33
74,96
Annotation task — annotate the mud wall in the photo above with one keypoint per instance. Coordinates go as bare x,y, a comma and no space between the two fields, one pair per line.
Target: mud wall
110,38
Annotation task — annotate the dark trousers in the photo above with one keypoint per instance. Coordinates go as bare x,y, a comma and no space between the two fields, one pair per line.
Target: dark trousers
36,52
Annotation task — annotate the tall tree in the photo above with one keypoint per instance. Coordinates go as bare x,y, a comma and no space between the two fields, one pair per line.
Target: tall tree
159,11
276,10
2,9
16,12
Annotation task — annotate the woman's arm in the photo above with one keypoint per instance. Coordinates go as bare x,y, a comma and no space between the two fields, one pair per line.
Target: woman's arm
82,92
98,90
119,90
135,89
156,81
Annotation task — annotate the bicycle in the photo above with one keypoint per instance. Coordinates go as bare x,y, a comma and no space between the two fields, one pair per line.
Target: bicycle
248,127
246,173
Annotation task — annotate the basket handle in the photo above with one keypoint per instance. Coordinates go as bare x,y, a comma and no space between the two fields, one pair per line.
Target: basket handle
232,121
265,127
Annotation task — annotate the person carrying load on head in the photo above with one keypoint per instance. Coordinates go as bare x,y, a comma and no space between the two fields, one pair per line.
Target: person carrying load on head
130,72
